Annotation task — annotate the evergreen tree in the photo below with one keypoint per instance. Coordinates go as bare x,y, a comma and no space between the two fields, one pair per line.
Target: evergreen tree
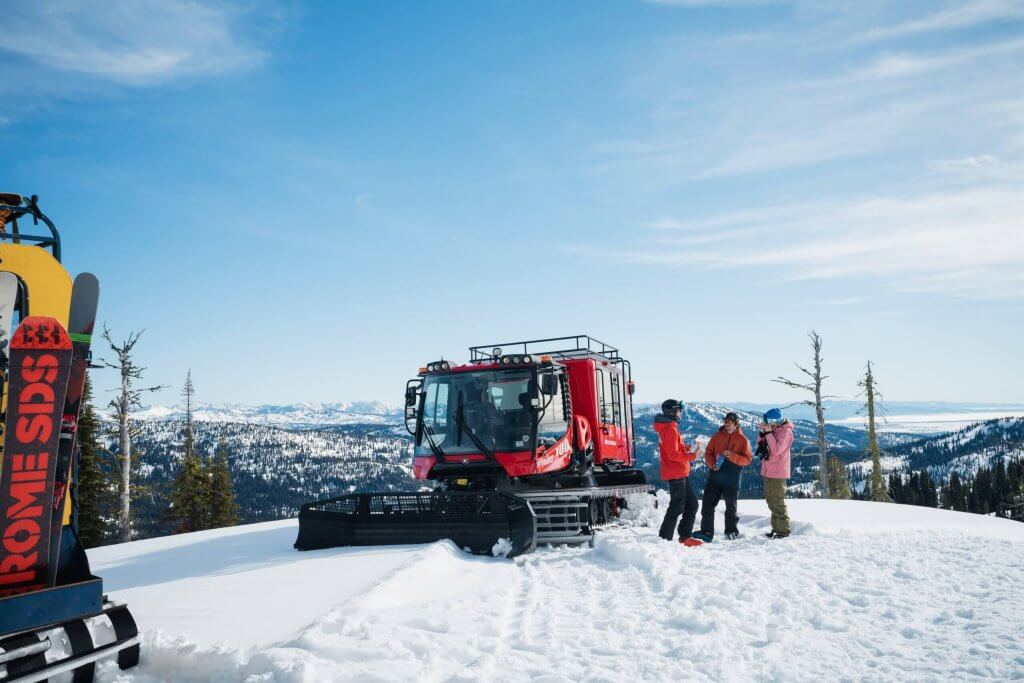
838,481
1000,487
929,495
953,493
190,497
96,491
224,510
190,493
896,488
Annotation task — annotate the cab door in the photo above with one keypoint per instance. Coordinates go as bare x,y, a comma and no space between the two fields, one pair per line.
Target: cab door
612,435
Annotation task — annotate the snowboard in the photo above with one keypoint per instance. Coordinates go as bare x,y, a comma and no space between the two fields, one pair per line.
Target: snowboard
40,363
85,297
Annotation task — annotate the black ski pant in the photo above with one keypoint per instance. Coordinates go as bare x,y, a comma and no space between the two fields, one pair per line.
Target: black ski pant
683,500
714,492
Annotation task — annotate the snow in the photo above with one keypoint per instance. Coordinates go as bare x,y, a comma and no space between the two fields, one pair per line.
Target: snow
292,415
860,591
931,423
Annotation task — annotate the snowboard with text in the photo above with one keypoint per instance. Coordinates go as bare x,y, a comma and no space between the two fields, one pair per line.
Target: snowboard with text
37,376
85,297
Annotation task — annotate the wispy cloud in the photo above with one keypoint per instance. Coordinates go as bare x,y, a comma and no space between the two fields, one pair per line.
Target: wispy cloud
957,15
968,242
136,43
711,3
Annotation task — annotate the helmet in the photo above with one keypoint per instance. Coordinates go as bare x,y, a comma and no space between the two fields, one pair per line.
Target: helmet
773,416
671,405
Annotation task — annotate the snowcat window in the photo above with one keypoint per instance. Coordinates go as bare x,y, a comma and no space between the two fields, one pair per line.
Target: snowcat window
496,405
553,423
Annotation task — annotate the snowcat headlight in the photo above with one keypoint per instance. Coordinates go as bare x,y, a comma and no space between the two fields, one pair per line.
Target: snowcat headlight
527,359
517,360
506,360
446,365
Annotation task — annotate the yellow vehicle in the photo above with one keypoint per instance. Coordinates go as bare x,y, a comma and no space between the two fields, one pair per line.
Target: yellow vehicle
45,632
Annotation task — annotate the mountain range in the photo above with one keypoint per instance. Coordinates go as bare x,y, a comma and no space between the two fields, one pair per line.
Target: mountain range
283,456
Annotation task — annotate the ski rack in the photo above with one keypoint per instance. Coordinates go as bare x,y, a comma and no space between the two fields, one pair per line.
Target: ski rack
14,206
576,346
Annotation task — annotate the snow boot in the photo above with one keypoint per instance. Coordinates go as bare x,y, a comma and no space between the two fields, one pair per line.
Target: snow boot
701,536
733,536
773,535
690,542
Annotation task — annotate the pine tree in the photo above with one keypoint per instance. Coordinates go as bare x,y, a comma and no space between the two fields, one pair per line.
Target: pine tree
953,493
878,490
190,496
224,510
929,496
190,493
838,481
96,492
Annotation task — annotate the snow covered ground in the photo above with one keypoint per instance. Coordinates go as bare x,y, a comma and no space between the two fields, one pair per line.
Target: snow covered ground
861,591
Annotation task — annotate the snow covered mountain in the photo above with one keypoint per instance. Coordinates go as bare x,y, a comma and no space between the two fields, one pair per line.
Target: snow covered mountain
962,451
284,456
292,415
861,591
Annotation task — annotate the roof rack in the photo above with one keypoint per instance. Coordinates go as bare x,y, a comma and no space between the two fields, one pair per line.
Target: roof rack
14,206
577,346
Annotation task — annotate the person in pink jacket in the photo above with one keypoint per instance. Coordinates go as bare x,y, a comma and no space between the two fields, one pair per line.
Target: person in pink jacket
774,443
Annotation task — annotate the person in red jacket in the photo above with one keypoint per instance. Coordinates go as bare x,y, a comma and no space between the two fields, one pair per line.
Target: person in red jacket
727,454
675,470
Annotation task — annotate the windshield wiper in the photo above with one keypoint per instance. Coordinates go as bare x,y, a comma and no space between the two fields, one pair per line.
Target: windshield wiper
460,420
434,448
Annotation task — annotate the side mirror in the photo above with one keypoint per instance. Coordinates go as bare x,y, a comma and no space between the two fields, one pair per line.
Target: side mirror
549,384
411,395
630,387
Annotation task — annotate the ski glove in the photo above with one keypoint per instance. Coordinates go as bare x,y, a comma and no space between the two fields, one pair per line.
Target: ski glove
762,450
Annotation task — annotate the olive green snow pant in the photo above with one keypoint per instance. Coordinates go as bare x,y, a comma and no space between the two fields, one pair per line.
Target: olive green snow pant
775,496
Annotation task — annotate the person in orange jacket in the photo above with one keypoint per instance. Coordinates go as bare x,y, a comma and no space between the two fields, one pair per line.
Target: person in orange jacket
727,454
675,470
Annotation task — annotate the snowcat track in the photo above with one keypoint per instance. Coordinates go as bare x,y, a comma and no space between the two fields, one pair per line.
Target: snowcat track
23,655
565,515
472,520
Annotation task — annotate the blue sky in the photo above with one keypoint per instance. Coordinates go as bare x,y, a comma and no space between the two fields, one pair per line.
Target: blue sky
309,201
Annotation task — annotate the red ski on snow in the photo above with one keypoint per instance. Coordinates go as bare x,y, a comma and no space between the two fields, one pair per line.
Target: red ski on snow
40,362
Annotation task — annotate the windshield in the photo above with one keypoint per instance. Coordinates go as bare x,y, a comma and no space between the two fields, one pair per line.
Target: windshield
495,405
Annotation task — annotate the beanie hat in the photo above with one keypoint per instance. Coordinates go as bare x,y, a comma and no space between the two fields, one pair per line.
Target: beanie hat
732,417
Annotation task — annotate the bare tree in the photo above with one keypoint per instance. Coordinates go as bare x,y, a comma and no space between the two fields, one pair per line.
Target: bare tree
879,491
128,398
813,385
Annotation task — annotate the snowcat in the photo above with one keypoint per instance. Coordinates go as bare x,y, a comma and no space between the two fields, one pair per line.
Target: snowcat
49,611
527,443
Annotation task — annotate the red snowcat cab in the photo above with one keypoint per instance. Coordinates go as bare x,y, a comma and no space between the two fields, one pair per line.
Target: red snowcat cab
530,442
